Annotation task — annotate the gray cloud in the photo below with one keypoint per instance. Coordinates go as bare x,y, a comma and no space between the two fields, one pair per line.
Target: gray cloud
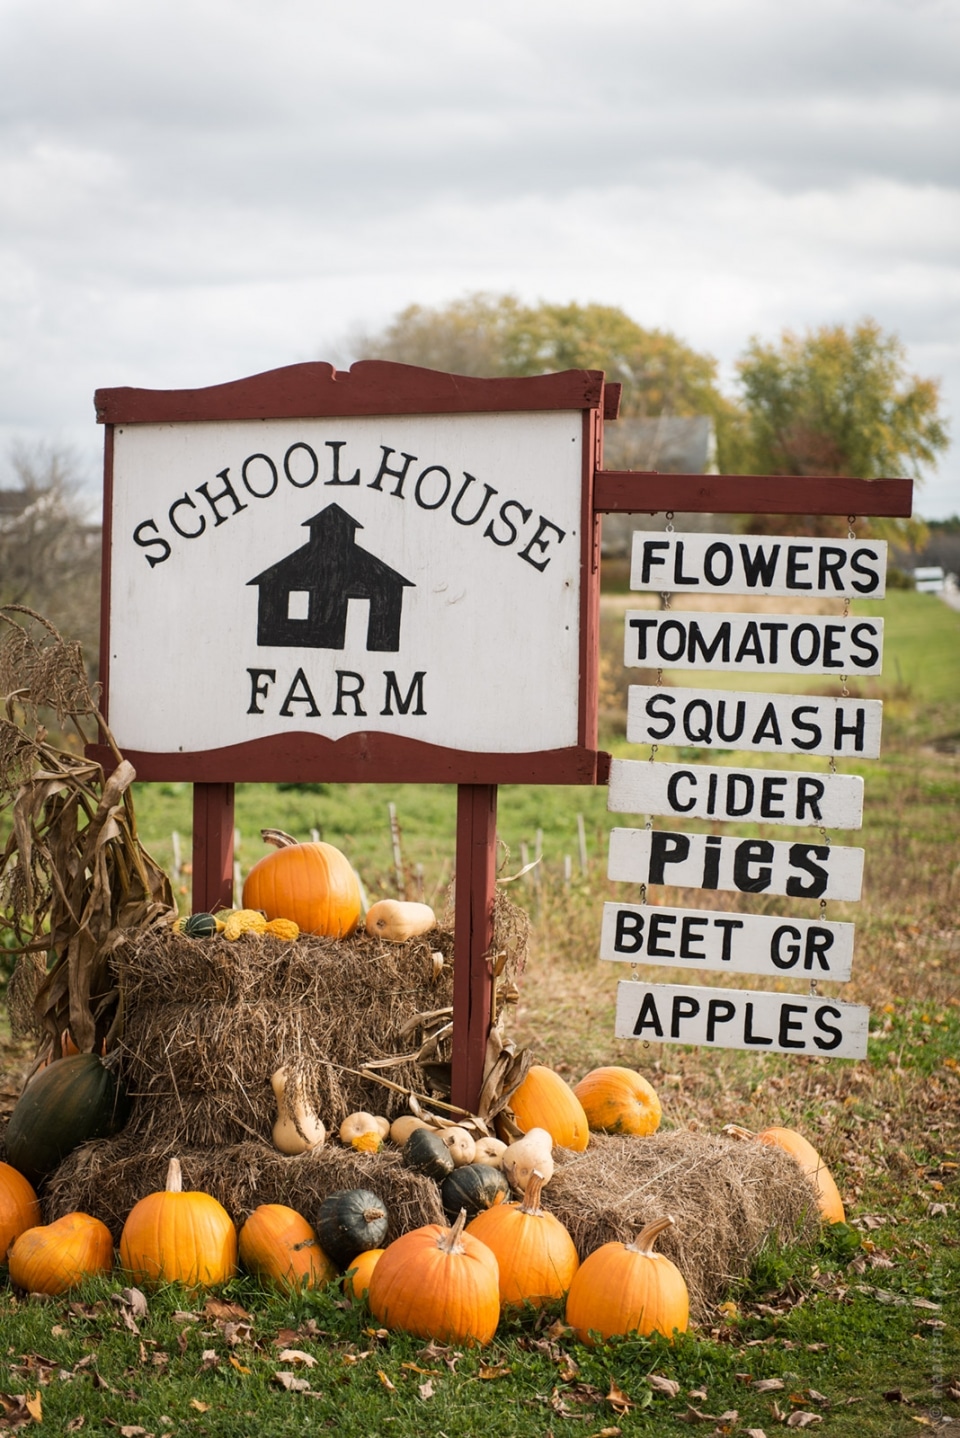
189,191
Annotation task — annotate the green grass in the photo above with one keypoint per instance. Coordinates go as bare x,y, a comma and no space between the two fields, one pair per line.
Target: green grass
846,1326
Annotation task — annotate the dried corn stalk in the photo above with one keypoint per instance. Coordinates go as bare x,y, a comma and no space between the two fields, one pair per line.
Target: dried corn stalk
74,879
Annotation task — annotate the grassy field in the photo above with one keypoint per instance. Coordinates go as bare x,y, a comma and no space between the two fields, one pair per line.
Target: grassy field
855,1335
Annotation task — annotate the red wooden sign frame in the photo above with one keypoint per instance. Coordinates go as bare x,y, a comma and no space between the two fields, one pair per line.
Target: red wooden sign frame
375,388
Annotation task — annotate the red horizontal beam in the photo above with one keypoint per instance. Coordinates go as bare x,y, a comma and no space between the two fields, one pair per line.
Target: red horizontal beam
624,491
370,387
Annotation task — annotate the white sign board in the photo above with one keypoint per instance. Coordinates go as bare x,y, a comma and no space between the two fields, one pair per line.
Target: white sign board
750,564
412,575
763,796
768,723
742,1019
748,866
755,644
730,943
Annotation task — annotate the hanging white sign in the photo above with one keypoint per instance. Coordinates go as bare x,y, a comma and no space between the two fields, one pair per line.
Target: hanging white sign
763,796
748,866
768,723
730,943
786,566
742,1019
757,644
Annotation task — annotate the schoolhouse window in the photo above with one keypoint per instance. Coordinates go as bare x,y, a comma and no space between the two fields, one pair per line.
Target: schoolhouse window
298,604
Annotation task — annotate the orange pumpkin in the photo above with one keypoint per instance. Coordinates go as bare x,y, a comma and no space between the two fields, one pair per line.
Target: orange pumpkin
19,1206
178,1237
619,1100
278,1245
54,1257
624,1288
829,1201
437,1282
312,884
357,1278
543,1100
535,1254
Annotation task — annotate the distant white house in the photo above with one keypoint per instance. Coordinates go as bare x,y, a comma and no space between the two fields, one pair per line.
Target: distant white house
668,444
929,579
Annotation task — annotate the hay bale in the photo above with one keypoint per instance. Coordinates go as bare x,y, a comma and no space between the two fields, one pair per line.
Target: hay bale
107,1178
206,1022
727,1197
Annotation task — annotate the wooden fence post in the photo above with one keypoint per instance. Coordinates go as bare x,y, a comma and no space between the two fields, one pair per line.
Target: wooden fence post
475,889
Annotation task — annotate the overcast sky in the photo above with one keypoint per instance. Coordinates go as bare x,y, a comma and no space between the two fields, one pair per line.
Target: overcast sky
196,190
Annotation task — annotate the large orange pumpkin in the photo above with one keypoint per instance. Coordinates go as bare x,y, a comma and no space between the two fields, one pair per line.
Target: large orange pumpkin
619,1100
278,1245
19,1206
53,1257
543,1100
313,884
536,1256
829,1201
178,1237
437,1282
624,1288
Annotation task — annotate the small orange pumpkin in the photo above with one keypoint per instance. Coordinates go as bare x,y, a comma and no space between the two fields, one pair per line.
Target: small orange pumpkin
619,1100
178,1237
278,1245
535,1254
312,884
357,1277
439,1283
19,1206
623,1288
543,1100
54,1257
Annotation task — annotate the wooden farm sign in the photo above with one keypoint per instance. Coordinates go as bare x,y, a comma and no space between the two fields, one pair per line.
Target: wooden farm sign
392,574
769,723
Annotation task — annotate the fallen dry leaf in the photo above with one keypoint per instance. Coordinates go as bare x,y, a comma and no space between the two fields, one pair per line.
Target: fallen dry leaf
801,1419
659,1384
199,1405
291,1382
618,1400
768,1385
240,1367
493,1370
217,1309
390,1387
425,1390
296,1355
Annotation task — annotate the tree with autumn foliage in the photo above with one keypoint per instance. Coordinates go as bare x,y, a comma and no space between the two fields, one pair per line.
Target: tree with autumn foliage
837,401
484,334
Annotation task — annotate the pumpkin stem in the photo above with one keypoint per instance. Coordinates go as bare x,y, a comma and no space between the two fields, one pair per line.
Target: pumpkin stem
735,1131
449,1240
643,1243
174,1176
531,1194
278,838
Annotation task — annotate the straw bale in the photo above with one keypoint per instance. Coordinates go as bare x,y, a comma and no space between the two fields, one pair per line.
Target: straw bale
208,1021
727,1198
107,1178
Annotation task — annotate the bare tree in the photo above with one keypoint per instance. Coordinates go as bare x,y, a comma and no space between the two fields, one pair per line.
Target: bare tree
49,548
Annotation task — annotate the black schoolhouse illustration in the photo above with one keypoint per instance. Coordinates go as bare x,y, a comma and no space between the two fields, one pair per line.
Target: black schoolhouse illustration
304,597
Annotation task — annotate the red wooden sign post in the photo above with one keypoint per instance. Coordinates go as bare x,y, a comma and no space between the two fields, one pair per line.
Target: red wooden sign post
464,512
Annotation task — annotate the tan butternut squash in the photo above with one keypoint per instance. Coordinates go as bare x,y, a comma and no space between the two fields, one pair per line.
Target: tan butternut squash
398,920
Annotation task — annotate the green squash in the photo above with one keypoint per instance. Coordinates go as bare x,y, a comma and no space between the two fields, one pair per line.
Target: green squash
68,1103
198,926
351,1221
473,1186
425,1152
